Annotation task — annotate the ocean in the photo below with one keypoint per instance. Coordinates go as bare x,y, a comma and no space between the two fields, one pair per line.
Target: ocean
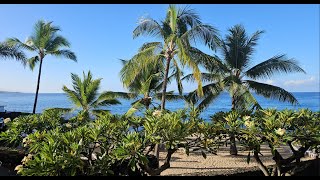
23,102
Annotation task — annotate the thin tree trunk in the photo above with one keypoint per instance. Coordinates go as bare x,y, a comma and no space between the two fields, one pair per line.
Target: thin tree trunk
164,86
233,146
148,101
38,85
163,100
263,168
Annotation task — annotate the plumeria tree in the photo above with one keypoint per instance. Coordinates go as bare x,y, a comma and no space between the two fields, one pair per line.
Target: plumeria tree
298,131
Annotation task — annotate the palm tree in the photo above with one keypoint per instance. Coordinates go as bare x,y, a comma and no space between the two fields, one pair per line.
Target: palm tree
177,30
147,83
44,41
12,52
233,74
86,97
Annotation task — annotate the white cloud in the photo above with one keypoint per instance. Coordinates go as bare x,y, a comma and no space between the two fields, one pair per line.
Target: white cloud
300,82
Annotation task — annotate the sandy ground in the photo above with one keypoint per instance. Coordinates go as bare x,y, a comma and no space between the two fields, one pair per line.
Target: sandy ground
222,162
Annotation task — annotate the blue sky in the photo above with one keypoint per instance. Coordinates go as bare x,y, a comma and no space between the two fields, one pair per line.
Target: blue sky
102,34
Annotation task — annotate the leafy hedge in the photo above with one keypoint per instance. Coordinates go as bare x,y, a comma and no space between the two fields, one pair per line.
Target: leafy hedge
122,145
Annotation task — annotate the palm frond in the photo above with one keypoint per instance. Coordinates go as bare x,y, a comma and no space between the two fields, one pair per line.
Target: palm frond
142,64
43,32
203,33
123,95
7,51
276,64
210,91
106,98
19,44
206,77
210,63
235,49
209,98
107,102
244,99
91,89
273,92
185,59
32,62
64,53
56,42
252,42
152,45
73,96
172,13
170,96
147,26
134,108
178,74
188,16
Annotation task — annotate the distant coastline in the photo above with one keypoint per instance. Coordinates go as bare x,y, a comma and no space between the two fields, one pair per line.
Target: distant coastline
9,92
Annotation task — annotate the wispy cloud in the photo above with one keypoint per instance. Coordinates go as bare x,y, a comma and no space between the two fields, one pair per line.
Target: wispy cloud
300,82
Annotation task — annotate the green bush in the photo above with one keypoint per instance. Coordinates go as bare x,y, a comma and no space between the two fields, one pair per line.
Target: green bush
109,145
21,127
298,130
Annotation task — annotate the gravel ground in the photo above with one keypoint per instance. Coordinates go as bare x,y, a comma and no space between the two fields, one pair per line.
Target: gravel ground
221,163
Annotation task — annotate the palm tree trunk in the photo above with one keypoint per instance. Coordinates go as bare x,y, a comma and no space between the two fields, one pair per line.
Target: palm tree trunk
233,146
163,100
38,85
147,101
164,86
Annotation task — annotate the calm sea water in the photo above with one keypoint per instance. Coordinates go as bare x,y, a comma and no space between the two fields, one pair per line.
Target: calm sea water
23,102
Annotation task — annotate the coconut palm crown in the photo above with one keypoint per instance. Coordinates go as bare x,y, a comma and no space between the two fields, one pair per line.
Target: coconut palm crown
85,94
180,28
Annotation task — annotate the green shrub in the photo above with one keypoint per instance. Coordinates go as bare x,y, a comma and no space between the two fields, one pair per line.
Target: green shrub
20,127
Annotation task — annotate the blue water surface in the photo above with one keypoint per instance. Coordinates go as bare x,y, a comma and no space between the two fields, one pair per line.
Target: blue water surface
23,102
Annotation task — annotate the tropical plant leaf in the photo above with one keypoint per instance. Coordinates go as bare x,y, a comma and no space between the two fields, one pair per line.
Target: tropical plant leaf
270,91
276,64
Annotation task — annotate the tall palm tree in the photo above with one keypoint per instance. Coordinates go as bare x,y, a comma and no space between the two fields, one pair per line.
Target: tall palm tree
232,73
44,41
85,94
12,52
180,27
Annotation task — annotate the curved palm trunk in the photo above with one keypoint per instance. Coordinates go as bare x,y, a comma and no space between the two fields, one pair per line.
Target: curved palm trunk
38,85
233,146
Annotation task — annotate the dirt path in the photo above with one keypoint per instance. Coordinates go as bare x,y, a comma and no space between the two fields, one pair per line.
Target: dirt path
222,162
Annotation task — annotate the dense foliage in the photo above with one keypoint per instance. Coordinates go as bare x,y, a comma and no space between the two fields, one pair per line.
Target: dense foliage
109,145
122,145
